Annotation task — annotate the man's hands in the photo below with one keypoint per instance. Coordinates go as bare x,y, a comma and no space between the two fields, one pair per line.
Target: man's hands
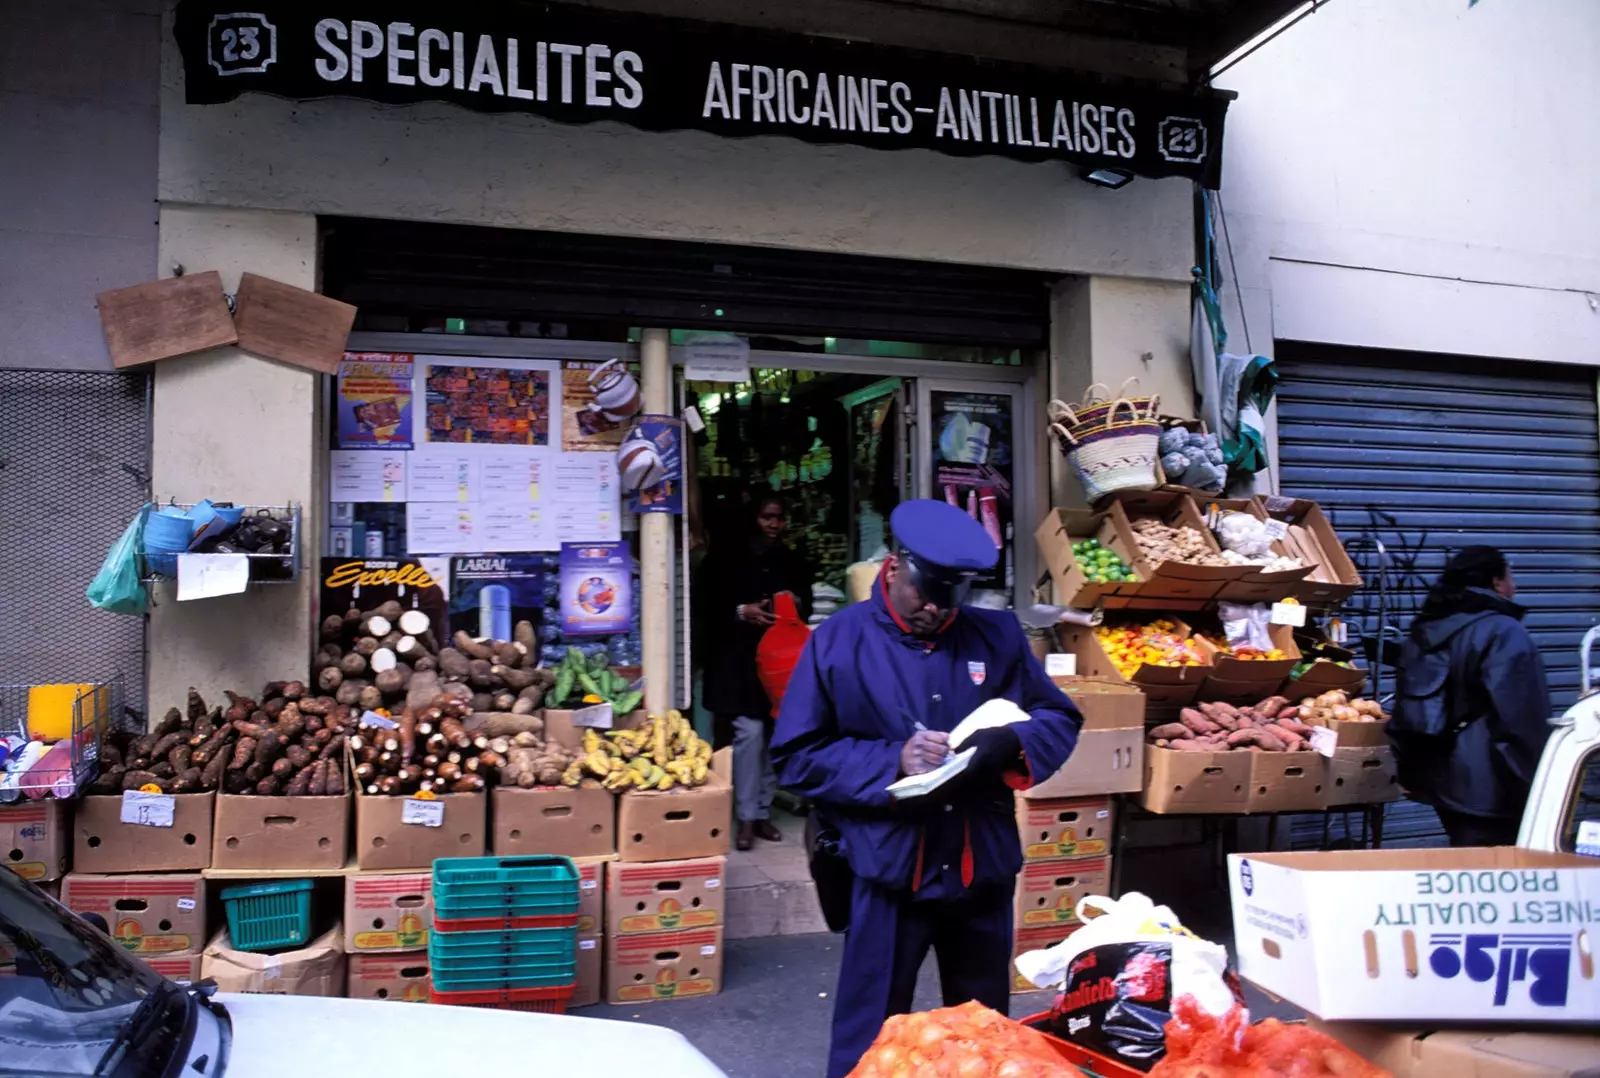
925,751
998,748
757,613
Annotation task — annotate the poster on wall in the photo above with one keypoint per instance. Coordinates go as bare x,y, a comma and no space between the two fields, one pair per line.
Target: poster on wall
973,466
374,400
364,584
490,594
596,589
659,447
586,424
485,403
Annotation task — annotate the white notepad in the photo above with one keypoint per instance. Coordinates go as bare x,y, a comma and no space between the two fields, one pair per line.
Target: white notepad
989,714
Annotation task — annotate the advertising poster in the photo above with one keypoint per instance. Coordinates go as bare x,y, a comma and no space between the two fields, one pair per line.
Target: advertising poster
596,588
374,401
489,595
481,404
366,583
585,428
973,464
665,433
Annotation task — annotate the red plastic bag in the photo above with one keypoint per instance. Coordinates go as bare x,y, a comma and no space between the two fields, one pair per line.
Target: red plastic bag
780,648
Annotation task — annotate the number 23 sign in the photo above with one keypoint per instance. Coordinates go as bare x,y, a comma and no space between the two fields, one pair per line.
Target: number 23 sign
241,43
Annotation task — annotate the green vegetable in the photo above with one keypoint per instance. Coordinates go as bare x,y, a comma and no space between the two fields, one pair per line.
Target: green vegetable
589,684
563,687
627,702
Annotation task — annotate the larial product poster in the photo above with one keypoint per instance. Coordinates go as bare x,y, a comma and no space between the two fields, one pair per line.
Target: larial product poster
596,588
479,403
587,425
973,466
374,401
490,594
660,449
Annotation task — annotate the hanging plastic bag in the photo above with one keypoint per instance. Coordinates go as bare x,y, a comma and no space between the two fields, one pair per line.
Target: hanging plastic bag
117,587
780,648
1119,974
1247,627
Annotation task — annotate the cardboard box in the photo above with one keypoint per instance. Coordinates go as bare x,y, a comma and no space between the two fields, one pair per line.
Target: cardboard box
103,843
182,968
1196,782
33,839
1319,678
1359,735
1457,935
1469,1053
554,819
591,895
403,977
1262,672
1257,586
157,914
559,727
1064,828
664,965
591,972
1287,782
1172,579
1063,527
388,912
1312,539
1367,776
383,841
316,969
1034,938
678,824
1215,689
1048,891
1109,756
1163,686
665,896
311,833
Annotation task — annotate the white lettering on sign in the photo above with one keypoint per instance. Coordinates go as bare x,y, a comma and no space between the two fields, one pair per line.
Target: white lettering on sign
713,883
1061,664
1288,614
708,950
147,810
1275,529
186,903
587,945
716,357
421,813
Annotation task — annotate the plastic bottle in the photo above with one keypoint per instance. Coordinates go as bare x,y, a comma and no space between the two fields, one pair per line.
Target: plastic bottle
494,612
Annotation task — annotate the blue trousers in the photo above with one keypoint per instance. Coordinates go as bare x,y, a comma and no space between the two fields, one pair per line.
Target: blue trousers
889,936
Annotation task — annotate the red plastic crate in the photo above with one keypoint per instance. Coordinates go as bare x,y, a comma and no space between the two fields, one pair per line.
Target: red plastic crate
541,1000
504,924
1091,1063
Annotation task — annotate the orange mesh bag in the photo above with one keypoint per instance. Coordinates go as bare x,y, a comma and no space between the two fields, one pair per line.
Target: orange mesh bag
1200,1045
969,1041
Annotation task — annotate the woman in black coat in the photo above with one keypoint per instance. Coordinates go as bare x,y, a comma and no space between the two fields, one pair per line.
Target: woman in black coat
1472,713
741,574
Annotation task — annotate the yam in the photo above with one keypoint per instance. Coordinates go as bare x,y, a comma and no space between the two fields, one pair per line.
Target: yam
300,784
330,679
335,779
239,707
211,774
197,705
528,701
524,634
414,622
506,724
353,664
481,701
349,693
162,770
471,648
390,610
318,705
319,778
503,701
166,743
179,756
133,780
425,664
505,653
170,723
234,782
371,698
391,682
332,627
514,679
274,707
458,692
453,664
333,748
423,688
382,660
480,674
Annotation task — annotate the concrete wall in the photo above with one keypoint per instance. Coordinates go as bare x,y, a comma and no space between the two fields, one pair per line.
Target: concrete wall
442,163
79,112
230,425
1421,176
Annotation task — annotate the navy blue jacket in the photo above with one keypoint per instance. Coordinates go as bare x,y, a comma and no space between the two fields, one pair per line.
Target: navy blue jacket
854,699
1479,666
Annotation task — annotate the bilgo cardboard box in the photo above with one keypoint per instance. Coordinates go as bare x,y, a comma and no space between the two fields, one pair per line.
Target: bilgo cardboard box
175,842
1109,756
1048,891
665,896
309,833
1067,828
401,977
411,833
576,822
388,912
681,823
316,969
1461,935
148,915
33,839
591,894
664,965
1470,1053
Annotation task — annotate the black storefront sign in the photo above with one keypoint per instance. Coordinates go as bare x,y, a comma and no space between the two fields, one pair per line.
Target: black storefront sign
580,65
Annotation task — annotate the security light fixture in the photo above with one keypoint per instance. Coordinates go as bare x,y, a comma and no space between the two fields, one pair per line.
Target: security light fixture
1112,178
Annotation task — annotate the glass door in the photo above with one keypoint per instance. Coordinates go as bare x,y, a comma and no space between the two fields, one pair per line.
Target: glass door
971,441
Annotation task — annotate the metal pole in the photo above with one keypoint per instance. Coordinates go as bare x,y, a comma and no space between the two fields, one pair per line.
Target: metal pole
655,539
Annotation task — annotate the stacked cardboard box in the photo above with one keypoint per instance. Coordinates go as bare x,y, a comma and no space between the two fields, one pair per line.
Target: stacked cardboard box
664,924
1066,851
387,919
34,839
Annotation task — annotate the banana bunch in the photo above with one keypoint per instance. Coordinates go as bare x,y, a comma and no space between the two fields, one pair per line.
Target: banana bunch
663,753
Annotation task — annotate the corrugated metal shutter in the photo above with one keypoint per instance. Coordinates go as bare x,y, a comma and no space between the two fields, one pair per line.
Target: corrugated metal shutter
1428,454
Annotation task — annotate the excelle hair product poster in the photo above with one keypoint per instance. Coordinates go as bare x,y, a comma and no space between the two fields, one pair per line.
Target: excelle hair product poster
596,589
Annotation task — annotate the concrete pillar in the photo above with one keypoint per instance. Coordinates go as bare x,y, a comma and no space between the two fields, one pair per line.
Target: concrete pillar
655,539
229,425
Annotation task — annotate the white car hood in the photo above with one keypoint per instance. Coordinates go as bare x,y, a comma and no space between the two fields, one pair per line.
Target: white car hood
314,1036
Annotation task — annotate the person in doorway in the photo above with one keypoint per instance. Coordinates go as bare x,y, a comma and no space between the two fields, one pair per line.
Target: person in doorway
737,587
875,695
1472,712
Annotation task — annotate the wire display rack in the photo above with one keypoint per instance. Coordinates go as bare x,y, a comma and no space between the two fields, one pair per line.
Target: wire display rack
96,706
272,568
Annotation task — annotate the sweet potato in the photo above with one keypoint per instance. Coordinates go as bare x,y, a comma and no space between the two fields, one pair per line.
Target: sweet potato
1270,707
300,784
1294,727
1195,721
243,753
1171,731
1188,745
1241,738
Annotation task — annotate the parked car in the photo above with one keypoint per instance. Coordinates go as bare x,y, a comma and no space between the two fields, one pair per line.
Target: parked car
1563,813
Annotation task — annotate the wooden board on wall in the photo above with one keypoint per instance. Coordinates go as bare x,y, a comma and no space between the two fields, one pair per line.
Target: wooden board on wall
280,321
176,316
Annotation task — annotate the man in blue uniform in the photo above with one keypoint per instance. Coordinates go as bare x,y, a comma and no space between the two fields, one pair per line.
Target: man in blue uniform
874,697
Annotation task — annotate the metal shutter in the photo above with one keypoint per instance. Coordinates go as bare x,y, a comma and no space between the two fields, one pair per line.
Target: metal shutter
1429,454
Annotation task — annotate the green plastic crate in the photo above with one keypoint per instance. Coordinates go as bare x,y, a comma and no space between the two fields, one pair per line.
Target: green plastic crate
471,887
269,916
515,944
